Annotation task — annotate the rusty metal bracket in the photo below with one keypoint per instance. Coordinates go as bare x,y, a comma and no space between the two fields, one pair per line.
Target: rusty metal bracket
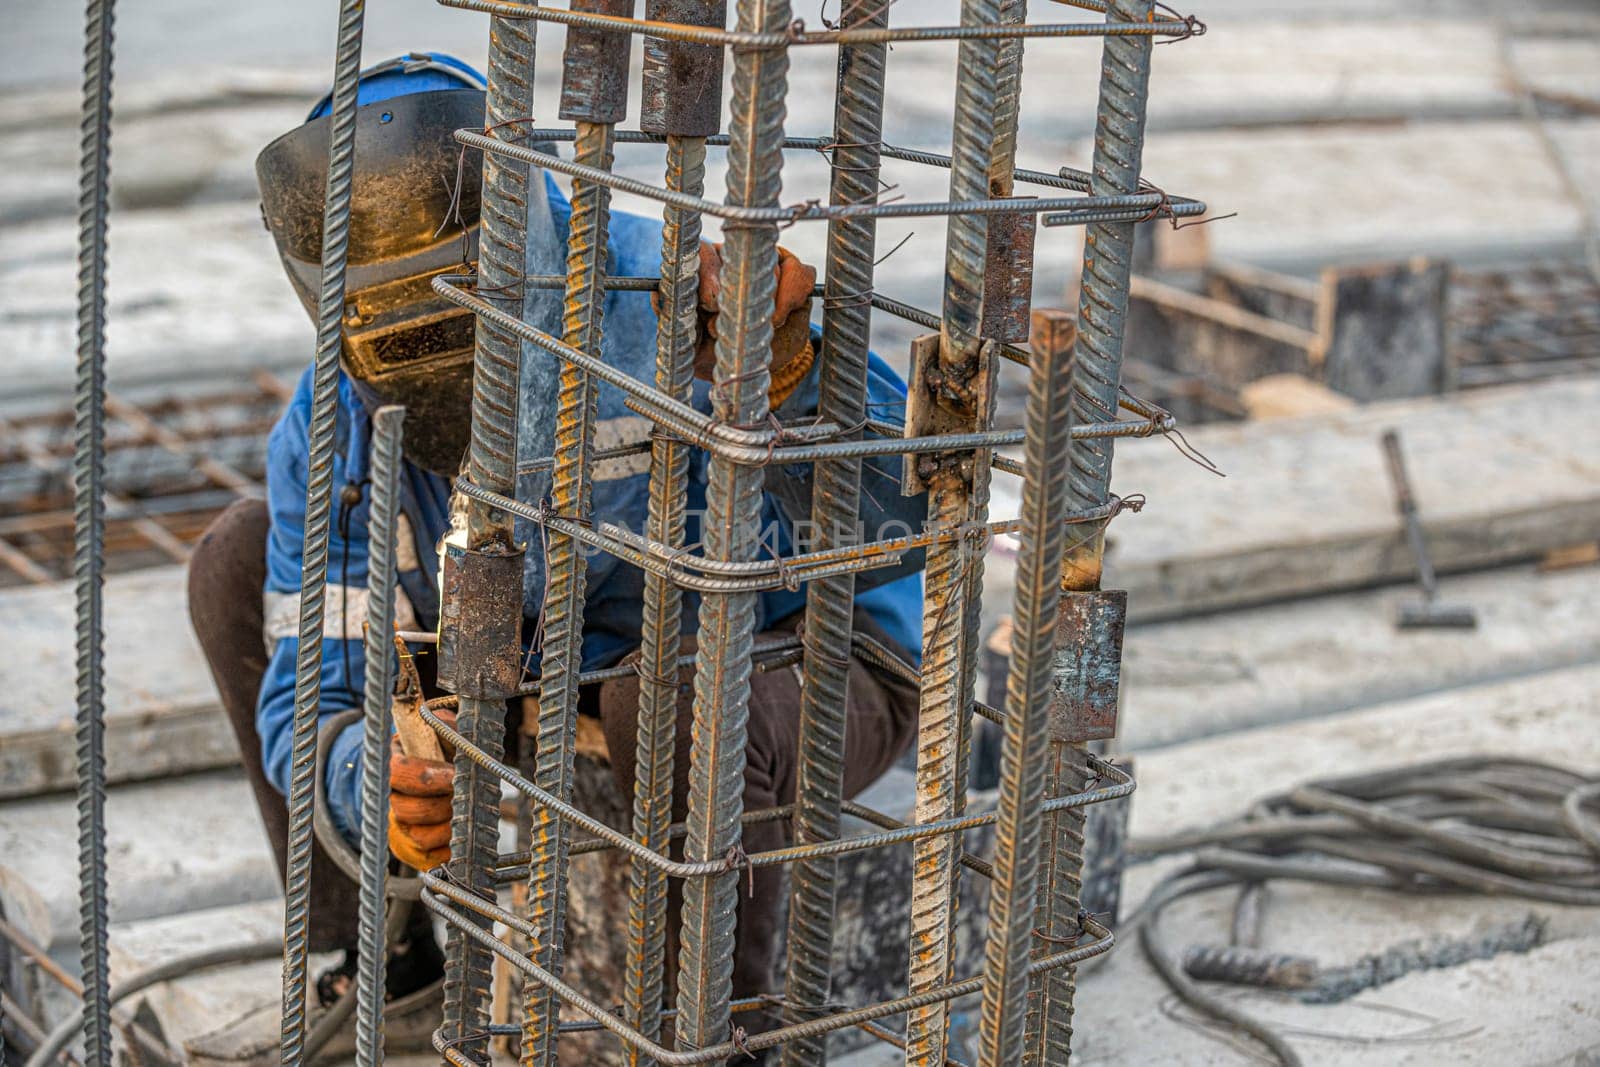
1088,665
937,403
594,67
682,83
480,622
1008,278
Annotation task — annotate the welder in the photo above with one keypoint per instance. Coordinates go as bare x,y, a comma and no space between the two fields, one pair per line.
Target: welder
414,215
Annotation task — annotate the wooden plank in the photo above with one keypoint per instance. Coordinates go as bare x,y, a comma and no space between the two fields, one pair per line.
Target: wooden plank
1193,334
1280,396
1269,293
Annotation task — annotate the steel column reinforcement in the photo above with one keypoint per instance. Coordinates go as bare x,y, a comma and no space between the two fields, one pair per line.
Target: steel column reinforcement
946,431
1068,631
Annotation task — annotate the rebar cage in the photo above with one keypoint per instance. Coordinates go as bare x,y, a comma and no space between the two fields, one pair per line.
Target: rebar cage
1063,673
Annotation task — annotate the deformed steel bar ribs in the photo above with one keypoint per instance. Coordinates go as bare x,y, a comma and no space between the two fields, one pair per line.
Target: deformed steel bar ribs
319,507
1096,373
376,689
740,381
483,687
682,101
846,327
594,93
957,377
88,469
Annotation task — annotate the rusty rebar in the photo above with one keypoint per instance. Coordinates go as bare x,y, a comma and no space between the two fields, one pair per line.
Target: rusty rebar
835,503
740,381
1096,373
377,686
562,618
955,498
491,464
662,625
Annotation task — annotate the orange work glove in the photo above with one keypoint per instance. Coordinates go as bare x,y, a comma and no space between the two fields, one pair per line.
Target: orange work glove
791,319
419,805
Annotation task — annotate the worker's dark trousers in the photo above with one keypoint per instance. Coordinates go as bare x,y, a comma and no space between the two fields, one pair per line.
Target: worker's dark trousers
226,576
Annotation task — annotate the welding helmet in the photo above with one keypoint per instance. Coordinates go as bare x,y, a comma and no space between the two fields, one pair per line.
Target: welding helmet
413,215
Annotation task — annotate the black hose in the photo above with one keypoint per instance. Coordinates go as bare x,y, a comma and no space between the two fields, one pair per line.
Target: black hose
58,1038
1499,827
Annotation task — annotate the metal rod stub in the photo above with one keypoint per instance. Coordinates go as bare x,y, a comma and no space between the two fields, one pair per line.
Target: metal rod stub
377,688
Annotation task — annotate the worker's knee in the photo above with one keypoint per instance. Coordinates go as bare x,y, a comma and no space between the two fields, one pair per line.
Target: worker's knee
233,548
227,571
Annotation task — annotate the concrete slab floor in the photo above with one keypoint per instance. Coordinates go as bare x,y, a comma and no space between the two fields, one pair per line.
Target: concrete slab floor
173,846
1206,676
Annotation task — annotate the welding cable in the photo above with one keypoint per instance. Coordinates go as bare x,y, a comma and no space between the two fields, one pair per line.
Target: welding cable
249,952
1492,826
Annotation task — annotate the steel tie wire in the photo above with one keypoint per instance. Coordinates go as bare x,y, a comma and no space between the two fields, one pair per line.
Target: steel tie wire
1102,320
319,505
88,469
836,492
378,684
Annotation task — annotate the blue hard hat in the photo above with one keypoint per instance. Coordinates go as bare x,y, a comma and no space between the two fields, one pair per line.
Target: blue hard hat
414,72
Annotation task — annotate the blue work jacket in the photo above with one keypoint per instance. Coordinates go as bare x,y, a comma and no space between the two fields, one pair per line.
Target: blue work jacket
612,613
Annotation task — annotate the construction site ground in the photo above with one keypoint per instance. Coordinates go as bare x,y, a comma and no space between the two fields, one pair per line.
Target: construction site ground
1263,650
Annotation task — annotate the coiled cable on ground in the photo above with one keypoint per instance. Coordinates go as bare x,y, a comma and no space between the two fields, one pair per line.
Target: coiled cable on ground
1494,826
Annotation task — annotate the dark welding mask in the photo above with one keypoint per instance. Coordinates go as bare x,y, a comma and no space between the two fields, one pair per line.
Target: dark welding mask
413,215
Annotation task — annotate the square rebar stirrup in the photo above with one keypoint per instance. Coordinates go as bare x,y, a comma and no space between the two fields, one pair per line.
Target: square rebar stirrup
1064,671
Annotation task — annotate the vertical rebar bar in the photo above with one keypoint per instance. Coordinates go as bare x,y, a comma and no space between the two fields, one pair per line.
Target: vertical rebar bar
562,652
376,689
835,506
88,470
661,630
1023,757
956,497
1096,371
491,463
741,378
319,505
1001,180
